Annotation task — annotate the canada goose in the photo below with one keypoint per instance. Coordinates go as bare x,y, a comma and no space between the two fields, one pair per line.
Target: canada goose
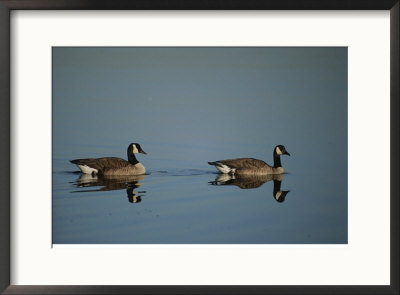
250,166
113,166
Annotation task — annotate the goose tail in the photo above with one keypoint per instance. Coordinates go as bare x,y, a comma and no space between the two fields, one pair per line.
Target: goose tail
222,167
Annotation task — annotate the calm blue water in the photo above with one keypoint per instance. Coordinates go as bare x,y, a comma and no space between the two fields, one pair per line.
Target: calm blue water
188,106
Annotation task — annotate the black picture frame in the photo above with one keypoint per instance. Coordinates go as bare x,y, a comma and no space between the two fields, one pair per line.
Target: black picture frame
6,6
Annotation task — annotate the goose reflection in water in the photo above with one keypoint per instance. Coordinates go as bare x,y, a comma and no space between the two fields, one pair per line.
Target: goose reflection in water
113,182
254,181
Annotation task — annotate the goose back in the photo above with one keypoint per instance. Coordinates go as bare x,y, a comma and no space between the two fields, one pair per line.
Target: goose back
248,166
245,166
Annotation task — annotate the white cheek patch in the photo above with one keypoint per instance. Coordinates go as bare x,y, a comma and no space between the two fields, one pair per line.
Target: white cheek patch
135,150
278,150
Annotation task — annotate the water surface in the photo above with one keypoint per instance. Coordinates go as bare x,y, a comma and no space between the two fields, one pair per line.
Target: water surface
188,106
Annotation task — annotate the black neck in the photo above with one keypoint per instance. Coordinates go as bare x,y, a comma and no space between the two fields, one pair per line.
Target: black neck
277,160
132,159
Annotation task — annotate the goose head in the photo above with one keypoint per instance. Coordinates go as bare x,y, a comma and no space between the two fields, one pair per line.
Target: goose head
135,148
281,150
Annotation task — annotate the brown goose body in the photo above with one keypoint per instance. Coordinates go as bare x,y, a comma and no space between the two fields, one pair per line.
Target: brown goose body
109,166
251,166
